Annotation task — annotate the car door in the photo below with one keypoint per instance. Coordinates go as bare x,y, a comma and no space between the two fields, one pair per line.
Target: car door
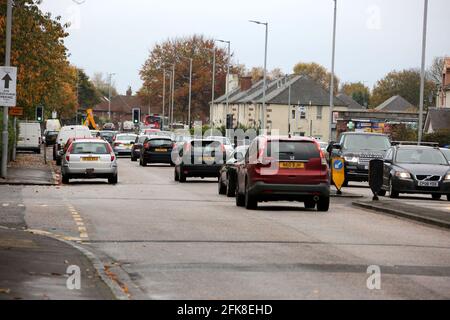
387,165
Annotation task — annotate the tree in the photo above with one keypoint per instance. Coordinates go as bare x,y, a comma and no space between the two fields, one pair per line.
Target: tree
357,91
45,76
101,82
88,95
441,136
405,83
178,51
402,132
318,73
434,73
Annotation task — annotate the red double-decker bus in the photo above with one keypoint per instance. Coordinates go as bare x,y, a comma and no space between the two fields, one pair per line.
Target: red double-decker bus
153,121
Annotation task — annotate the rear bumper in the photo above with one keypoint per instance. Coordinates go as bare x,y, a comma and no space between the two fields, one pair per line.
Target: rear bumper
410,186
83,172
208,171
292,192
152,157
118,150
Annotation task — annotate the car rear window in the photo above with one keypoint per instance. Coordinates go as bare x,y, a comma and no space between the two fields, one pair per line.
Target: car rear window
293,150
160,143
205,146
126,138
89,148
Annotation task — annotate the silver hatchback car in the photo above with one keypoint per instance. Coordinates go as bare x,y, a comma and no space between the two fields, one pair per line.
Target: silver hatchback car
89,159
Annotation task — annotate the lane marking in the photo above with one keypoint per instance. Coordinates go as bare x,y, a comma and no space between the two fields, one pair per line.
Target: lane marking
82,230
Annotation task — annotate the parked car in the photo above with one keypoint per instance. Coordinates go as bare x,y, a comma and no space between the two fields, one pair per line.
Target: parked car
50,137
446,153
30,137
64,135
358,149
282,168
416,169
199,158
137,147
123,142
156,150
89,159
229,147
227,178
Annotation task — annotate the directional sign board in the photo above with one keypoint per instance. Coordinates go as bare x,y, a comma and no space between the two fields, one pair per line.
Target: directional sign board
8,79
338,172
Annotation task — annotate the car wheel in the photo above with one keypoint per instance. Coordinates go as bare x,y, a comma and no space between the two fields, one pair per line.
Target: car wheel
382,193
65,179
113,179
323,204
345,184
310,204
182,177
436,196
240,199
176,177
221,187
392,192
38,151
250,201
448,197
58,161
134,159
231,187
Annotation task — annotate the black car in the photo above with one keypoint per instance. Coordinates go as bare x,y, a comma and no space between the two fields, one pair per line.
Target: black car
137,147
107,135
358,149
199,158
50,137
416,169
156,150
227,178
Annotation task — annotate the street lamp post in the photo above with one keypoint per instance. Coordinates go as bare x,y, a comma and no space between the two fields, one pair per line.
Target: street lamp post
422,71
330,131
163,97
109,95
4,166
173,95
266,24
190,90
227,85
213,87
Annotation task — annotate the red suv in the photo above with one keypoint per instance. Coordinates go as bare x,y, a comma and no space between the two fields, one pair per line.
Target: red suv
283,169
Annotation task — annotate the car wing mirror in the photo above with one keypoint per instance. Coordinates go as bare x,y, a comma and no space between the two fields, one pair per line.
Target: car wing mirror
337,146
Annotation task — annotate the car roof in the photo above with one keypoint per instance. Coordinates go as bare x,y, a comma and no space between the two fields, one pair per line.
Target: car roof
287,138
364,134
414,147
89,140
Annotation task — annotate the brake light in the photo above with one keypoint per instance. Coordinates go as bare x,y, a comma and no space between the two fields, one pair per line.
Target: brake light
146,145
223,148
67,156
323,159
113,157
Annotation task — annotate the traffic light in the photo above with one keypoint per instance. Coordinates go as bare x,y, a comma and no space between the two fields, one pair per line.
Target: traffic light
39,113
350,126
136,115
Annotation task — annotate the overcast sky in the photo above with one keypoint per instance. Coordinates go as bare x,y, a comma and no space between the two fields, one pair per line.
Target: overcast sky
373,36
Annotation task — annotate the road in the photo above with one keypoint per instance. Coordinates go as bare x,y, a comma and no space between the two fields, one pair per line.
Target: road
184,241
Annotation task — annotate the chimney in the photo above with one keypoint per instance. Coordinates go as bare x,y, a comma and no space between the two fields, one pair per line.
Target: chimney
245,83
129,92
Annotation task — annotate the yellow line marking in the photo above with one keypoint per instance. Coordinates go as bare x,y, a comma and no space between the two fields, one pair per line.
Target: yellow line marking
80,224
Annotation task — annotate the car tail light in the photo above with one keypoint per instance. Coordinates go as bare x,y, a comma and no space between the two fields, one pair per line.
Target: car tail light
323,159
113,157
222,146
146,145
68,156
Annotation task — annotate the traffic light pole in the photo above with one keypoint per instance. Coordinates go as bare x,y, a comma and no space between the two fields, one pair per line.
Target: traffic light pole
4,166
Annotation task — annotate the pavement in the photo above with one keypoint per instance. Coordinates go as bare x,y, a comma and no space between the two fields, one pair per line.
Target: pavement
34,264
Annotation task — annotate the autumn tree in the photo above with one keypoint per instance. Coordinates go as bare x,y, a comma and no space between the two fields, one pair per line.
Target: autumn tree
102,84
405,83
179,51
357,91
88,95
45,76
257,73
434,73
317,73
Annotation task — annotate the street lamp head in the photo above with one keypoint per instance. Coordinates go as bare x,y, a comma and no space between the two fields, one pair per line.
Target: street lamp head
224,41
258,22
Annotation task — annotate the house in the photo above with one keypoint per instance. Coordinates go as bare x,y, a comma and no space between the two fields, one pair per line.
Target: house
294,104
396,104
437,119
444,94
121,107
352,104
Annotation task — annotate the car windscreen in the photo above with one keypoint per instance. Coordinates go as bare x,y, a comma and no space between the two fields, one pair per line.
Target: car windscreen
446,153
89,148
67,134
366,142
126,138
421,156
206,146
293,150
107,134
160,142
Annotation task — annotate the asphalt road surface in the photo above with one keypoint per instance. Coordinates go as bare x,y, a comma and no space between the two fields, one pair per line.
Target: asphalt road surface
184,241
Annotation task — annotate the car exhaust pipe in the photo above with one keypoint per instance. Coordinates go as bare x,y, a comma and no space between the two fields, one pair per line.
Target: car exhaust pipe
316,198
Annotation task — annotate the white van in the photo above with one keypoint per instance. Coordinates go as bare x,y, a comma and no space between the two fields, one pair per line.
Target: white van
52,125
30,136
65,134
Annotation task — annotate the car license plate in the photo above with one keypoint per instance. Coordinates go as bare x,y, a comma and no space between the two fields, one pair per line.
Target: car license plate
209,159
428,184
292,165
128,146
89,159
161,150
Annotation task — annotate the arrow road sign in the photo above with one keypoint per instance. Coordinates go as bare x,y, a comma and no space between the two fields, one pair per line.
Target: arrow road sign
8,79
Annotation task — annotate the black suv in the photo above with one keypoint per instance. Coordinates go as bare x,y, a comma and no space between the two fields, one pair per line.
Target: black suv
358,149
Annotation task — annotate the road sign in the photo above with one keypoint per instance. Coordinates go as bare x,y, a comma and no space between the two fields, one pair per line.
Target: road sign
338,172
15,111
8,79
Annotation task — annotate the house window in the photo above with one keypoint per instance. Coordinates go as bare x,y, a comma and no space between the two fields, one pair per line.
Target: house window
293,114
302,112
319,112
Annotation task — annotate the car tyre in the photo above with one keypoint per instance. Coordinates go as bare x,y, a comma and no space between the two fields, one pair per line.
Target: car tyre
176,176
382,193
392,192
113,179
133,159
436,196
65,179
222,189
310,204
58,161
323,205
240,199
182,177
448,197
231,187
250,201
